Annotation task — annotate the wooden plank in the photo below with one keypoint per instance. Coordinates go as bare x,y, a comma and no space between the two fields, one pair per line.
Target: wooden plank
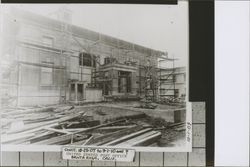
31,159
42,136
63,108
66,137
33,120
71,117
39,126
88,140
142,140
116,127
147,140
83,142
176,124
73,139
76,129
34,127
32,110
112,136
63,131
83,124
122,139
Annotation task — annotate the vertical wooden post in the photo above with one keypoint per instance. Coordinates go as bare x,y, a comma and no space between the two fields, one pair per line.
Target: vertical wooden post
83,92
69,92
174,77
104,88
76,99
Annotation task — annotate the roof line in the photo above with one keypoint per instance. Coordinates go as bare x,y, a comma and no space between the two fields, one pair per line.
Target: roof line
55,21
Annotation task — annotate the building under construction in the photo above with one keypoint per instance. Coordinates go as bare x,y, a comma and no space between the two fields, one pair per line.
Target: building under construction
64,84
50,61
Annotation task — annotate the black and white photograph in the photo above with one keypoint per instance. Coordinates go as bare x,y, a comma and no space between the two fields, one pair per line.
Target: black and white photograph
95,75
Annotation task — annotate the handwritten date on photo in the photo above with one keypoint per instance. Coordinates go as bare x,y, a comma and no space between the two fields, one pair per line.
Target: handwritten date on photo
189,132
98,154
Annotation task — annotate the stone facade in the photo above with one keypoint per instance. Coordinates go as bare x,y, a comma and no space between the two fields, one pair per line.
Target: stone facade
52,61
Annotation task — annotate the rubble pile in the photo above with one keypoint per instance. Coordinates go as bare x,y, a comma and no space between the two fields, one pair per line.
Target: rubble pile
74,125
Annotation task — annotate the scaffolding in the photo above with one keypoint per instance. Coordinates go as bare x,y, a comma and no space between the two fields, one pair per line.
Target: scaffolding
106,75
150,77
167,78
64,16
153,79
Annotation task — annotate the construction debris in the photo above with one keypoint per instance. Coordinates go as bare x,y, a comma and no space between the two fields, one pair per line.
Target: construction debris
92,125
174,101
147,105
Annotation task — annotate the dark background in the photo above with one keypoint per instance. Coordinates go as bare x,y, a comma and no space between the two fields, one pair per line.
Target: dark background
201,52
201,65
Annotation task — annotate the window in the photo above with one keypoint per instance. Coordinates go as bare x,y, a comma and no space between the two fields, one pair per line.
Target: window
46,76
85,59
48,41
108,60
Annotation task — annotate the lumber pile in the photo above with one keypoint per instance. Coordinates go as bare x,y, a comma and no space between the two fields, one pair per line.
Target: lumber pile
60,125
178,126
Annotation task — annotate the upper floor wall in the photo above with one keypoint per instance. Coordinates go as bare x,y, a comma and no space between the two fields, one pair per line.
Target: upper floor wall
31,28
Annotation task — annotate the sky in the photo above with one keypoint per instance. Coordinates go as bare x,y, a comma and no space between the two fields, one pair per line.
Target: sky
160,27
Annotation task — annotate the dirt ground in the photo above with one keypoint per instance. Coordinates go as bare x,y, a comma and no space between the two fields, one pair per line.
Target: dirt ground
163,111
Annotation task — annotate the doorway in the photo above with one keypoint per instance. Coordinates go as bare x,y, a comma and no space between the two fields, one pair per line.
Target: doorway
124,81
76,91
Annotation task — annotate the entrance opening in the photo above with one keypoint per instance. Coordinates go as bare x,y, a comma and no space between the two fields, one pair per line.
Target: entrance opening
124,81
72,92
76,92
106,88
80,92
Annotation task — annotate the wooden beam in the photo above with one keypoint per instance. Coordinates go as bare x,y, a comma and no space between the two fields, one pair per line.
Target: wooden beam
39,126
83,124
124,138
144,139
148,140
63,131
66,137
116,127
112,136
83,142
